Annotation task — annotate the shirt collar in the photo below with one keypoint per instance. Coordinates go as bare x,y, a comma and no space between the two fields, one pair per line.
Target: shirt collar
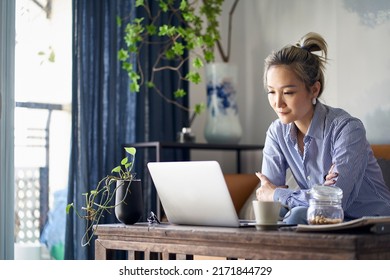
292,133
316,127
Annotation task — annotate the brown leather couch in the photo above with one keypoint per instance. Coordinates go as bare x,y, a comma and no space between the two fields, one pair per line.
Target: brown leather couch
241,186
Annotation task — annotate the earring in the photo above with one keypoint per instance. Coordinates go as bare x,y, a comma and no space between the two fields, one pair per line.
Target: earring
314,101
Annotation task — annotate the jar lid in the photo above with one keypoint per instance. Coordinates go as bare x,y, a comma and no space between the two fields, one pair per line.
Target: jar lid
321,192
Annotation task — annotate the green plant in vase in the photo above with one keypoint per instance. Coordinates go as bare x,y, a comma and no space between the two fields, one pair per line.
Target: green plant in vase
102,199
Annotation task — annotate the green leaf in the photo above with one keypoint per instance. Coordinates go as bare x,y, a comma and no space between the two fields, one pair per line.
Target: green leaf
189,16
123,55
163,30
131,150
170,54
139,3
197,63
151,29
139,20
128,67
124,161
70,205
182,32
127,165
163,6
133,48
116,169
209,56
134,87
118,21
194,77
183,5
208,40
199,41
52,56
133,32
167,30
178,48
179,93
134,77
150,84
199,108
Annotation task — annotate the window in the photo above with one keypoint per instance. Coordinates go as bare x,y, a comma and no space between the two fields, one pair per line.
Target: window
43,86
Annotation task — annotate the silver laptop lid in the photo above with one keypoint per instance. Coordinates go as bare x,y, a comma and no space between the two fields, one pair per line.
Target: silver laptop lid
194,193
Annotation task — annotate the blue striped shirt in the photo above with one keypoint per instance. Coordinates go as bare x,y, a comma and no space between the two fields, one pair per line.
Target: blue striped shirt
336,137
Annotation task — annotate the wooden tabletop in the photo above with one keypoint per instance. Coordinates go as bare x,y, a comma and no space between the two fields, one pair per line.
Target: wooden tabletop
242,243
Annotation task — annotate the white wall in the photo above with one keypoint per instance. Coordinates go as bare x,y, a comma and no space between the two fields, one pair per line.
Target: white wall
357,76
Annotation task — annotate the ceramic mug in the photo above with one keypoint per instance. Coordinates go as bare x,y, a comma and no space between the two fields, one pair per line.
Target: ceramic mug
266,213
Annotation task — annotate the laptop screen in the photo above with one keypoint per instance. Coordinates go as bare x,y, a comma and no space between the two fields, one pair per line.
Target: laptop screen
194,193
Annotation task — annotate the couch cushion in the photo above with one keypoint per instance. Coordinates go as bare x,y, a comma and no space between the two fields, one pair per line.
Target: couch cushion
240,187
381,151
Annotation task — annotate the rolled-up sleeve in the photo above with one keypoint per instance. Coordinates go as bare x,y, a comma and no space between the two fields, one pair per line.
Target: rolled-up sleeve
291,198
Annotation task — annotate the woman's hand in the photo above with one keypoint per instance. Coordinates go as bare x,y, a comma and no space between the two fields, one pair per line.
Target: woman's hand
330,178
267,189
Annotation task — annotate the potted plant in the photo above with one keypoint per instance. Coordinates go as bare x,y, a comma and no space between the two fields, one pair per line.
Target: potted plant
191,35
119,192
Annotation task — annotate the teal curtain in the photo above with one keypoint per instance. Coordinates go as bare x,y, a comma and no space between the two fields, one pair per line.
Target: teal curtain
103,109
105,115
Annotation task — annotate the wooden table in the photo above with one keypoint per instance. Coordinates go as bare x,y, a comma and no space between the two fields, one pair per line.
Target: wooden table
166,241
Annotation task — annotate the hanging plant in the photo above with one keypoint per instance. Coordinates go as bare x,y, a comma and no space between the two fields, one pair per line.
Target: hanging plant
191,34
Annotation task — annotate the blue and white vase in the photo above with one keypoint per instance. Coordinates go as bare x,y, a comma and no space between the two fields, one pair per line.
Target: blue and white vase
222,120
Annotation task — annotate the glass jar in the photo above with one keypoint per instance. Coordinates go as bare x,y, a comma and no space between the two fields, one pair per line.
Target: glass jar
325,206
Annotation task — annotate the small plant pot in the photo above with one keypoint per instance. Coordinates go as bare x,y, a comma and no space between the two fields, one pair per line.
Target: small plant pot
129,202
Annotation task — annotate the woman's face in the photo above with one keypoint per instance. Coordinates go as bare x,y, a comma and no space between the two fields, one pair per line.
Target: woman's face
289,97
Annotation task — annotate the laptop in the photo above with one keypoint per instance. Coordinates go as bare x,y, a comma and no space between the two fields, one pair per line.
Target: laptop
195,193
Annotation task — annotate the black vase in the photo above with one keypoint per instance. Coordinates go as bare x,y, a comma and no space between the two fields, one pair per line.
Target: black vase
129,201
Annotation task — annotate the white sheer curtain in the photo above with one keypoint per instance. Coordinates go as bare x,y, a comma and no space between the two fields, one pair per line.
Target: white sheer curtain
7,46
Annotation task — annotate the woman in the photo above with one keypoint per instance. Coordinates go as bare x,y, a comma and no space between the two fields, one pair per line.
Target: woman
321,145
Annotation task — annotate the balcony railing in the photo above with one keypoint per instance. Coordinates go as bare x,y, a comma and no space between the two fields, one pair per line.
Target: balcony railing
32,182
